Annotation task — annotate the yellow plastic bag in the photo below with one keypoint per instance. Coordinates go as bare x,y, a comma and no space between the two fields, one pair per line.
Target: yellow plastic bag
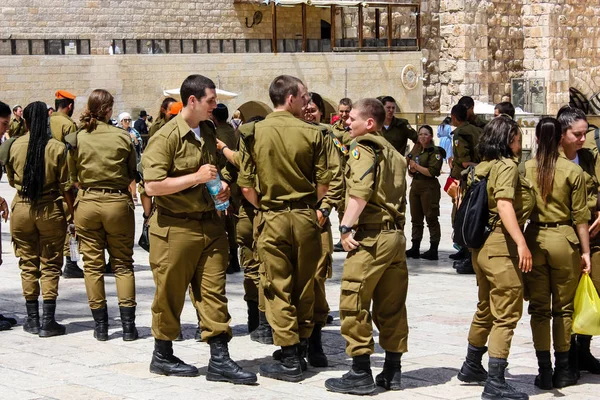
586,318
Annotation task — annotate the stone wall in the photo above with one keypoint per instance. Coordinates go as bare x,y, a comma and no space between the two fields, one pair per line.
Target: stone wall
138,81
475,48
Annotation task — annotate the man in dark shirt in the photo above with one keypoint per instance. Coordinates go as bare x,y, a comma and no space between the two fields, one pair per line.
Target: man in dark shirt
140,124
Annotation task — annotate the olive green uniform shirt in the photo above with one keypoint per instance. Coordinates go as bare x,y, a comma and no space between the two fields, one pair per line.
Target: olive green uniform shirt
431,158
335,155
568,199
61,125
159,123
104,158
340,132
398,133
55,164
589,162
17,128
288,157
174,151
377,174
464,148
479,122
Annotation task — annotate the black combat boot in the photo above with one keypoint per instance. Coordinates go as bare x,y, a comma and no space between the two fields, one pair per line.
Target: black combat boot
316,355
234,262
587,362
544,378
49,325
287,369
460,254
253,318
359,380
496,387
221,368
432,253
263,333
563,375
10,320
32,323
391,376
5,325
472,370
101,329
72,270
165,363
302,354
574,356
130,332
413,252
464,266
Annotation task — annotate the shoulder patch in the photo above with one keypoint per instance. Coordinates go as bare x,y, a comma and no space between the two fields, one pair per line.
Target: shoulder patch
438,157
341,147
356,153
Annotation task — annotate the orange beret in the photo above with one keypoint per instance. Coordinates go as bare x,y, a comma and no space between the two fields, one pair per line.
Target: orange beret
175,108
63,94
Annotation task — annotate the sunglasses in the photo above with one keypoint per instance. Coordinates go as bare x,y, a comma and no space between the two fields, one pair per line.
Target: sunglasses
127,119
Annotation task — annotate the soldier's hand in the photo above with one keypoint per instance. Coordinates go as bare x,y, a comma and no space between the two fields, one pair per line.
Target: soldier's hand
225,192
525,259
348,242
321,219
220,145
4,209
595,227
586,264
206,173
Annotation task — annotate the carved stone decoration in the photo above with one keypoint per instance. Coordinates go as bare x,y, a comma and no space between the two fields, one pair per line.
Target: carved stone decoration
410,77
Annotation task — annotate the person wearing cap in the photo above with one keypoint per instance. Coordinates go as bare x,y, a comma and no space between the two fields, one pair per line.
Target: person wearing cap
17,126
226,134
140,125
175,109
61,125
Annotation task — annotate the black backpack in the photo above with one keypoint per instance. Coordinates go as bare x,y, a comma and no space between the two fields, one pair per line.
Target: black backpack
471,222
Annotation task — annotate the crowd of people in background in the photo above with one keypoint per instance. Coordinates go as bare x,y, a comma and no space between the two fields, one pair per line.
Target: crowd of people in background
282,175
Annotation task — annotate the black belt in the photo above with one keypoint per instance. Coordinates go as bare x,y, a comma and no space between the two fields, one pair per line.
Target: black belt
195,216
551,224
104,190
378,227
293,205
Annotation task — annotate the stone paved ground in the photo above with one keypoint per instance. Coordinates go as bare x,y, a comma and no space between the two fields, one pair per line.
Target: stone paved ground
76,366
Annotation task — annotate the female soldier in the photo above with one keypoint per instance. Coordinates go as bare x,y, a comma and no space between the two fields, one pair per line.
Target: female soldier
103,164
424,166
574,127
163,116
557,261
37,168
500,262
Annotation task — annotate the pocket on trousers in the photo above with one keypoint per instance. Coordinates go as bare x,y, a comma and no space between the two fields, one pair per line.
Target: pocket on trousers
500,245
350,296
572,238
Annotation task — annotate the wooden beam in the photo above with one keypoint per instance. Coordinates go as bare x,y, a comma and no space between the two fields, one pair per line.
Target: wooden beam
274,25
360,26
333,26
304,44
389,24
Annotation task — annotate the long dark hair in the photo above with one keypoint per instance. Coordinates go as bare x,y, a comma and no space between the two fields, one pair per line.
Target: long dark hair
34,175
317,100
99,105
164,107
548,133
496,138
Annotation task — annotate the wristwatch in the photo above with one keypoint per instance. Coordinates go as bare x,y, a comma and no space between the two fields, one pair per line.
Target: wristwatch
325,212
345,229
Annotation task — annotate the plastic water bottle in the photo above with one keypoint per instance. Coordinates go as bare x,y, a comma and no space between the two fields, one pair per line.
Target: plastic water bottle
74,248
214,187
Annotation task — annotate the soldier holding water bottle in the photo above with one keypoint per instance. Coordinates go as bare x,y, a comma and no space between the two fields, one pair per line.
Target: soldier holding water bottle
188,243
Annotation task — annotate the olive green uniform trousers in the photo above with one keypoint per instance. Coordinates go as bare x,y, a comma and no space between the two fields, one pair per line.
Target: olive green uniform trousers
189,251
424,199
248,259
105,220
324,271
551,284
375,272
287,244
38,234
500,294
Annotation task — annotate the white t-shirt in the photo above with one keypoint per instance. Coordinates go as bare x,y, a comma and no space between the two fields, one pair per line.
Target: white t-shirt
197,132
576,159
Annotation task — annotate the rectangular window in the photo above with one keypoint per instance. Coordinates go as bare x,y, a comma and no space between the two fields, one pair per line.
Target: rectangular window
54,47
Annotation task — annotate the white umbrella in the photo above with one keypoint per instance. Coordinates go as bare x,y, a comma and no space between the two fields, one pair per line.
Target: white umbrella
221,94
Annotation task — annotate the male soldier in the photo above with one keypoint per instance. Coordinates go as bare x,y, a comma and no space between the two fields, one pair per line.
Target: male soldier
17,126
62,125
375,269
288,159
226,134
340,132
397,131
473,119
464,150
188,244
140,125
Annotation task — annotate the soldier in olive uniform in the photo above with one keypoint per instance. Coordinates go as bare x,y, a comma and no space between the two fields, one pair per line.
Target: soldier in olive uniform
375,269
284,172
500,262
424,166
473,119
6,323
38,224
17,126
339,127
397,131
61,125
163,116
102,164
188,242
574,125
557,231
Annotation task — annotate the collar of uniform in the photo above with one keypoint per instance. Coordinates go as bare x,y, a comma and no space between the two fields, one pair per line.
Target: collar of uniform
280,114
61,114
184,129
